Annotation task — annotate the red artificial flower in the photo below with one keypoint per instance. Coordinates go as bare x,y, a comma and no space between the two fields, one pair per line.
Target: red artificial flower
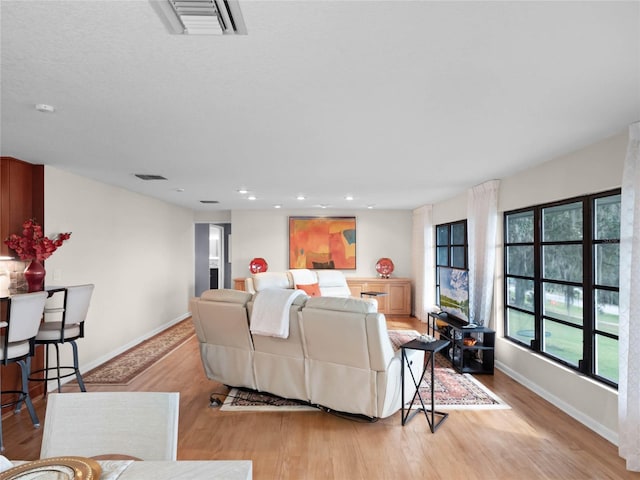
33,245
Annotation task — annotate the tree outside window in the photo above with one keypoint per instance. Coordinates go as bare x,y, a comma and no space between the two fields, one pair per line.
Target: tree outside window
561,282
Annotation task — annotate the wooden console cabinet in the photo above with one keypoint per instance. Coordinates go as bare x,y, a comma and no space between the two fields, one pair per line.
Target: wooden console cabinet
397,300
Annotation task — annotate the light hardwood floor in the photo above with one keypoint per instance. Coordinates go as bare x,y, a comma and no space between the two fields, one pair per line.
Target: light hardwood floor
532,440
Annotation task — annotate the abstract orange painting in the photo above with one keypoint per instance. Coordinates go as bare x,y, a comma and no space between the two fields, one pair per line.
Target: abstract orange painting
322,242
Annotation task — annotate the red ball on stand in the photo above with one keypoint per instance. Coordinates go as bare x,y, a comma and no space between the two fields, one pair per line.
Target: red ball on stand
258,265
384,267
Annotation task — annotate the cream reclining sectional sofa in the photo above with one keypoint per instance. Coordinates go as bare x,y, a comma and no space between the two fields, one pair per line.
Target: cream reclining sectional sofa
331,283
337,354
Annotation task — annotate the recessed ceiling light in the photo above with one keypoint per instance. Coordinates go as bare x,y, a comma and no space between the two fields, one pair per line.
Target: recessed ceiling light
243,191
179,190
349,197
277,206
322,205
44,108
370,206
300,197
251,197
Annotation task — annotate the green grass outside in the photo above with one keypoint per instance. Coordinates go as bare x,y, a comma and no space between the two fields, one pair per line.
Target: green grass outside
565,342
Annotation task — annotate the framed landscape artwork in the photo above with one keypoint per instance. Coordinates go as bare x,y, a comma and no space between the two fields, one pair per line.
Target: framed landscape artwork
322,242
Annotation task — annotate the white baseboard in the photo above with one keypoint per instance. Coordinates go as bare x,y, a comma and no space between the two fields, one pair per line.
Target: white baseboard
53,385
588,422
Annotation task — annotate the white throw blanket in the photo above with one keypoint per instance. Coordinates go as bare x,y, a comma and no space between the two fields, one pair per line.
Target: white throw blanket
270,316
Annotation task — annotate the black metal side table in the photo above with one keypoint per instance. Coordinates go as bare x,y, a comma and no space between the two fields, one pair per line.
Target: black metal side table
432,348
373,294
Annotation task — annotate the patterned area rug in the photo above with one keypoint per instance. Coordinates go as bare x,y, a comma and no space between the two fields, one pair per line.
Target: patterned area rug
453,391
122,369
250,401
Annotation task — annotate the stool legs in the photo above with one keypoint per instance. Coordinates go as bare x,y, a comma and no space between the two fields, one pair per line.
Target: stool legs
57,375
24,369
23,396
75,366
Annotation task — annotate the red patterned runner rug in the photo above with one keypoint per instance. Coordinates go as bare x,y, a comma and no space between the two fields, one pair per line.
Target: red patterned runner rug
123,368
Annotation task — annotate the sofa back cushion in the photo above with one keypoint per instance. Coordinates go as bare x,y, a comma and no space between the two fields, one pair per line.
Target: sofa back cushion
345,353
226,296
303,276
333,283
221,322
264,280
342,304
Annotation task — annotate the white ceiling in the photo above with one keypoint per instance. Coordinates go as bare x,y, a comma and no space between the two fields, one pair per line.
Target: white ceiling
398,103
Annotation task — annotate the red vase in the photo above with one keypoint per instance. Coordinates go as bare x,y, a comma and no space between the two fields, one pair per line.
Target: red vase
34,275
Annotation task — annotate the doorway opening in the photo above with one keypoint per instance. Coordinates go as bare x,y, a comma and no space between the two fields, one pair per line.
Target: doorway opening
212,255
216,249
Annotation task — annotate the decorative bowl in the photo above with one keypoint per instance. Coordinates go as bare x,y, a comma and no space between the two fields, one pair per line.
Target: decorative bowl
384,267
258,265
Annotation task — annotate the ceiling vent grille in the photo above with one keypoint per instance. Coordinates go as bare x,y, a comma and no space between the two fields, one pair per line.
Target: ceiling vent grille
144,176
209,201
201,17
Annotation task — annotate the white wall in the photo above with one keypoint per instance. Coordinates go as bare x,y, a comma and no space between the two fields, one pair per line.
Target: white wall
265,233
593,169
138,251
217,216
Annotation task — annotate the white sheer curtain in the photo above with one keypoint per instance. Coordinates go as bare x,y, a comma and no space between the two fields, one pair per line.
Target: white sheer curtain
423,255
629,326
482,221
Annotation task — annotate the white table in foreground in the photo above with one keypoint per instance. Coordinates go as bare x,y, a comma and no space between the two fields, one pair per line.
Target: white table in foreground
168,470
189,469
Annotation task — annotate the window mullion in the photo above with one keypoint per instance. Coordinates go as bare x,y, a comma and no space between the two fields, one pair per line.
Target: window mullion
588,276
537,278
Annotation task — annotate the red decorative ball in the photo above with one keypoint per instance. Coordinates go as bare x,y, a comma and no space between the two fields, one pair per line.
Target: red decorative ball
384,267
258,265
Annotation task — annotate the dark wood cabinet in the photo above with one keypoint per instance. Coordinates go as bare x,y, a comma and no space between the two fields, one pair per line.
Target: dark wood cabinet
21,197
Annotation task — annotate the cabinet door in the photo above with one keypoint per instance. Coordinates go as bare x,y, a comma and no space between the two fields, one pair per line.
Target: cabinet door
356,287
383,300
399,299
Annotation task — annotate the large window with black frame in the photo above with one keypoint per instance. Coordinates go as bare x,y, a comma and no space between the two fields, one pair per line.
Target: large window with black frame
561,282
451,248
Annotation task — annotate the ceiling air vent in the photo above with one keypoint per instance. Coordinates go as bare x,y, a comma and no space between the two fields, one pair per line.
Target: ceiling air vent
209,201
144,176
201,17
